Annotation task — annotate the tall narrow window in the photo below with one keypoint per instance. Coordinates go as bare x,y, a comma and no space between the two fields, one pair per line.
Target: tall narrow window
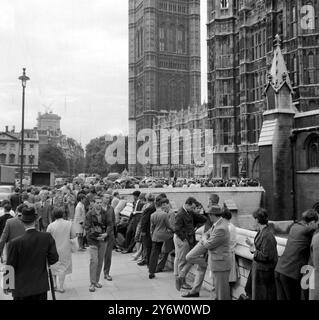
181,39
172,38
162,45
311,68
224,4
294,22
142,41
226,139
3,158
12,158
313,153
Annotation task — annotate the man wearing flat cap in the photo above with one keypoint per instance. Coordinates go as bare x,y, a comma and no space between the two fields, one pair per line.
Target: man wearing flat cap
29,255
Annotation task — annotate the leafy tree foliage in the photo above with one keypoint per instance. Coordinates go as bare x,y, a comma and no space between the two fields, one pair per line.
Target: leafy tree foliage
95,158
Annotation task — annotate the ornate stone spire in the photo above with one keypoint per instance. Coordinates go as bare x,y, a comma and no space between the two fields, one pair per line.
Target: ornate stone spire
278,75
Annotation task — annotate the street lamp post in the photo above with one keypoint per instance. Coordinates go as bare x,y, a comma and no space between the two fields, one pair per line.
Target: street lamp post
24,80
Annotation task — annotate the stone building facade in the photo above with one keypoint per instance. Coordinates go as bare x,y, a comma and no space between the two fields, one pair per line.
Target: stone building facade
10,149
176,165
240,49
164,61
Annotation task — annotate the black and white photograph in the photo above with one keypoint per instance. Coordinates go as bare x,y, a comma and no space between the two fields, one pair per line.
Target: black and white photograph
159,150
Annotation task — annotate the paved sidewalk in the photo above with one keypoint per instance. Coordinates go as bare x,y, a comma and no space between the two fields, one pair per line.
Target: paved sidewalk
130,281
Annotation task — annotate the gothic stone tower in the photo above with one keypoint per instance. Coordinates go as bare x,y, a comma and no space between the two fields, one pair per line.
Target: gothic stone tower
274,141
164,60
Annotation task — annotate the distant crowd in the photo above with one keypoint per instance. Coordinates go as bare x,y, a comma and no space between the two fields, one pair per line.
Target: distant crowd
153,182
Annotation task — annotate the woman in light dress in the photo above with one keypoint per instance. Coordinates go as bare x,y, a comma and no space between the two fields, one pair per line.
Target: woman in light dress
62,232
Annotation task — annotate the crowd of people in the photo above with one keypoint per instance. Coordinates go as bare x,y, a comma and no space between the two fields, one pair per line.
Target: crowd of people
155,182
44,226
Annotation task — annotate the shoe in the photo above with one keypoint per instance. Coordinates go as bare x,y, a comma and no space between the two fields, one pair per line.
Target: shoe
158,271
151,275
108,277
190,295
92,288
60,290
186,286
141,263
125,251
179,283
98,285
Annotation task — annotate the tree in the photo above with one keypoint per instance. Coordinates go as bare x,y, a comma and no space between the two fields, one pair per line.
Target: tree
95,158
52,158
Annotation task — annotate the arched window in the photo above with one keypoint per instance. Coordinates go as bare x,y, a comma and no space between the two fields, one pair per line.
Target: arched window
12,158
313,152
172,38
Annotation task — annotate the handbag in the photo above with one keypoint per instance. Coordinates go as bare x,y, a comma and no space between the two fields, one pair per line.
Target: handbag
74,245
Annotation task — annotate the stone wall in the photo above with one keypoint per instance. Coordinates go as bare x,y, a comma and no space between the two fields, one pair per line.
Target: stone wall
244,259
247,199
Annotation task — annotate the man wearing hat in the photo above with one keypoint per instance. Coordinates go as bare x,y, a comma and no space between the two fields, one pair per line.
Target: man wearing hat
29,255
217,241
13,228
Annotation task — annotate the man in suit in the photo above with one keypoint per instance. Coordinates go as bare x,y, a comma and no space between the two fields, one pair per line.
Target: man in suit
184,237
295,256
146,229
44,209
110,239
217,241
29,255
15,199
5,217
161,230
13,228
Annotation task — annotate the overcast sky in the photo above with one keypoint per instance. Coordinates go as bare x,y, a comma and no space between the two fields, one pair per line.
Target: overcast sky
76,54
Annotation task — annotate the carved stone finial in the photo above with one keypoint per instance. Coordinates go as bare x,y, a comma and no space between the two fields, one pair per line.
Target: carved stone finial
277,40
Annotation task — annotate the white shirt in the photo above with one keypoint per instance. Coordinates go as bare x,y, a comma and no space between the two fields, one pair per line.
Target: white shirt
2,212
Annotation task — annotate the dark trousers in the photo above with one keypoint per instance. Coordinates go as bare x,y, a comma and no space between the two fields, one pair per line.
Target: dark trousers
156,250
41,296
147,247
108,255
162,262
287,288
130,237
